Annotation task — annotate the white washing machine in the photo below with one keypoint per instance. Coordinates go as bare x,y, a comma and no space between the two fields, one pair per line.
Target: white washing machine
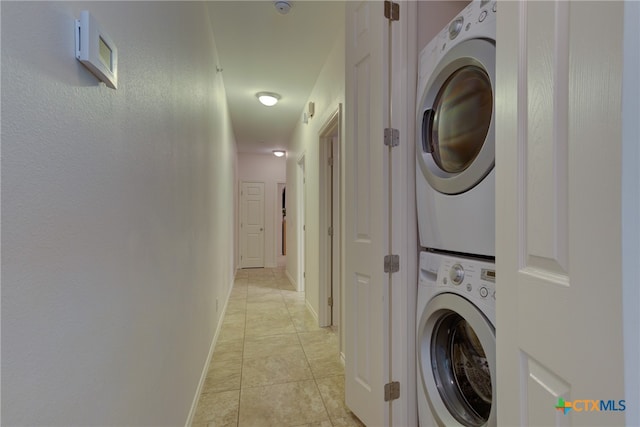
456,341
455,136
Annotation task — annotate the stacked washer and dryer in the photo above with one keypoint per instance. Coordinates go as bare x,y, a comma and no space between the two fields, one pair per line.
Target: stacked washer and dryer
455,190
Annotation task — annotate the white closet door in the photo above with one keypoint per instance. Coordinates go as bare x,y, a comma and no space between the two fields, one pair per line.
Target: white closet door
558,246
366,212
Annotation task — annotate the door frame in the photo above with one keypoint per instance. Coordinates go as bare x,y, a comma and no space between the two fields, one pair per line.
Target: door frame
329,260
279,238
301,195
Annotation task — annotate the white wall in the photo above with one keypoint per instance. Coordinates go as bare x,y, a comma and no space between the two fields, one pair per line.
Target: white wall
271,170
117,215
327,94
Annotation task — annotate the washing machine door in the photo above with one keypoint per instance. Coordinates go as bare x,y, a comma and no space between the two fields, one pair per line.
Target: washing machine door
457,362
456,136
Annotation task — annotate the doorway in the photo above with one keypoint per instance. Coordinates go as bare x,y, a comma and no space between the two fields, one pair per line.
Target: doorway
301,221
281,225
330,221
252,225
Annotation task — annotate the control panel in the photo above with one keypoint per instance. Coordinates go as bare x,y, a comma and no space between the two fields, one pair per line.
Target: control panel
468,277
470,17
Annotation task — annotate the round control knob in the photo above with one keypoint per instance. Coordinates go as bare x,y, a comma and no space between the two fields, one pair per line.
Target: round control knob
484,292
455,27
456,274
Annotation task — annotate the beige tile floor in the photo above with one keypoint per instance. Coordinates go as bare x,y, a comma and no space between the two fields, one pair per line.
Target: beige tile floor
272,365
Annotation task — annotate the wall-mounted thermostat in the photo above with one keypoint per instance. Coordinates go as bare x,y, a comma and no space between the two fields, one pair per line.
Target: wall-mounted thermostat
96,50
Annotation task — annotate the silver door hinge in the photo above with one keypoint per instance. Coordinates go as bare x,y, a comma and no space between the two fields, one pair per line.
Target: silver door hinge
392,263
391,11
391,137
391,391
330,301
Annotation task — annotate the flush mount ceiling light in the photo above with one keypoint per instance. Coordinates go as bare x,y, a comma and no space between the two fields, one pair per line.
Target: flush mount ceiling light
279,153
268,98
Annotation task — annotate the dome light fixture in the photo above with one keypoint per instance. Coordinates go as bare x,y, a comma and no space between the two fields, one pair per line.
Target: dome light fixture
268,98
279,153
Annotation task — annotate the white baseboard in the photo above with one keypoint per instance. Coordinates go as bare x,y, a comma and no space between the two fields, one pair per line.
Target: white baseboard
203,376
293,282
311,310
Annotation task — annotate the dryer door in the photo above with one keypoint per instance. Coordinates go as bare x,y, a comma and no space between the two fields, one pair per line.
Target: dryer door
457,362
456,118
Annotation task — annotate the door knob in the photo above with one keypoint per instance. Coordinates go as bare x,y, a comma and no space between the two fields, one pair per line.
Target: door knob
261,229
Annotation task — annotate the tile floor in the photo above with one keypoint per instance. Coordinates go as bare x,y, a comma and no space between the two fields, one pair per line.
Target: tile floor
272,364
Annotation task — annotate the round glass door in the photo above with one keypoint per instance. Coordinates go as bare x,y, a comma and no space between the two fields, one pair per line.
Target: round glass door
456,351
461,370
461,118
455,118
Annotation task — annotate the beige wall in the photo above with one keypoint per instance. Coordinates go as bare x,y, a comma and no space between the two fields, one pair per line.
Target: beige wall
327,94
116,213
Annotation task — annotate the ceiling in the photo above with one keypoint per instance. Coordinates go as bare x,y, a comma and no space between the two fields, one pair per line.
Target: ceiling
261,50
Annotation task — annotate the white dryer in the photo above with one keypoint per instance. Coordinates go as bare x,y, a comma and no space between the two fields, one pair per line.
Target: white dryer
455,341
455,136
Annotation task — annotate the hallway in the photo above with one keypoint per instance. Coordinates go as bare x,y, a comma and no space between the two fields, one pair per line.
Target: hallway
272,364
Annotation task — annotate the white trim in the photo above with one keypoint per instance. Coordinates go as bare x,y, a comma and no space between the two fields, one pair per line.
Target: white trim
288,275
311,310
205,369
332,126
300,220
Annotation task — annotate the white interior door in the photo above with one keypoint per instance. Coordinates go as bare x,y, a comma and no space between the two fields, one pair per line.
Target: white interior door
366,212
252,225
558,247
